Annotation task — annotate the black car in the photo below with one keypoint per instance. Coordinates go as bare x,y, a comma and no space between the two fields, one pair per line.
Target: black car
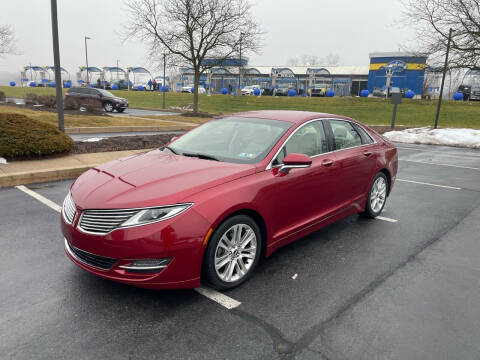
466,90
109,101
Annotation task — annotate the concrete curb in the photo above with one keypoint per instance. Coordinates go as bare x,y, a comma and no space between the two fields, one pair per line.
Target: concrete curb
28,177
122,129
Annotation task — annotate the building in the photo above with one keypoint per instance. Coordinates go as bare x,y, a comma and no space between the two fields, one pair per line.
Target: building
344,80
407,71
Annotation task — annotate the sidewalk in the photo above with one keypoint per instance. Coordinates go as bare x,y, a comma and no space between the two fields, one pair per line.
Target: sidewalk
65,167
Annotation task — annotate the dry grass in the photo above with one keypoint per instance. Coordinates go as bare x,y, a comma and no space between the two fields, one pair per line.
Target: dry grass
89,120
179,118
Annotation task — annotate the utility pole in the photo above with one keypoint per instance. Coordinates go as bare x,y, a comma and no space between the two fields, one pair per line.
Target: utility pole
450,33
240,67
163,85
56,60
86,58
117,71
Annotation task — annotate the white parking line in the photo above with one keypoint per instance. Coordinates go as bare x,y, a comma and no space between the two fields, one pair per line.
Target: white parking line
429,184
386,219
214,295
438,164
40,198
218,297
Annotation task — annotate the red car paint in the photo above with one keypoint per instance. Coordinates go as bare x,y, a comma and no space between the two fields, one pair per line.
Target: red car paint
287,205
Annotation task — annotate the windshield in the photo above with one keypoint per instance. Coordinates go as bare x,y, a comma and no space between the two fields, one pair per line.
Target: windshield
106,93
231,139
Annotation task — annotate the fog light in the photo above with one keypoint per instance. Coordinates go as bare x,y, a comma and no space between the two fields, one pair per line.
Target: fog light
146,265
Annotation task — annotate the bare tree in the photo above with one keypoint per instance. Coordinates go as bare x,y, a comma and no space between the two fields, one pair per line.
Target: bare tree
7,40
332,60
432,20
191,31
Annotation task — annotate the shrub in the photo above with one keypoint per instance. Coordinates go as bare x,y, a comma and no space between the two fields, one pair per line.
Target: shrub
90,105
31,98
2,96
47,100
21,136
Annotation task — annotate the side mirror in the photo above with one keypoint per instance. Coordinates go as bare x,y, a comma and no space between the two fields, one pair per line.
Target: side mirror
295,161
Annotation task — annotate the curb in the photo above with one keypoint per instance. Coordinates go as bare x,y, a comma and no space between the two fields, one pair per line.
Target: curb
121,129
22,178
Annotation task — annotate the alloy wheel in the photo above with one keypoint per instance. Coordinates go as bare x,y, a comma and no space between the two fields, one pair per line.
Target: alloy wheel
378,194
235,253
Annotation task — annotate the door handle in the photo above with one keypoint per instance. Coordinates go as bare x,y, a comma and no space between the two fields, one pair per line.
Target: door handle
367,153
327,162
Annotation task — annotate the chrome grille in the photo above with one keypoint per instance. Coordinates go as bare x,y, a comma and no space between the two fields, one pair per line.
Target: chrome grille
101,262
68,209
104,221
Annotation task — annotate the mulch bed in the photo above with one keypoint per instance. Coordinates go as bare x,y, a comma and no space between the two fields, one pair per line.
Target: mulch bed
384,129
118,143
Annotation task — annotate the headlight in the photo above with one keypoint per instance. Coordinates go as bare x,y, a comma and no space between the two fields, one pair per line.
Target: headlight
147,216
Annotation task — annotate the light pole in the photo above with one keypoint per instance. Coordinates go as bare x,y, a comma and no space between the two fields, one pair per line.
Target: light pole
240,66
86,58
56,61
163,85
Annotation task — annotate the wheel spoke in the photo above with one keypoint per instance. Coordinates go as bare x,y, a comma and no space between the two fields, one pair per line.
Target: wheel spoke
241,267
219,263
231,267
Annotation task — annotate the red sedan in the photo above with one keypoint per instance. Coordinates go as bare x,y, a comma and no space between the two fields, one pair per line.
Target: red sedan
219,197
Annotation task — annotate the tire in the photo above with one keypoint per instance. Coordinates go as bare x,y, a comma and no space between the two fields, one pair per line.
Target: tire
220,250
108,106
377,196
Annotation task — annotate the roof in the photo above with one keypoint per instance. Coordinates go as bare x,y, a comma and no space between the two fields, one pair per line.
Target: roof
286,115
302,70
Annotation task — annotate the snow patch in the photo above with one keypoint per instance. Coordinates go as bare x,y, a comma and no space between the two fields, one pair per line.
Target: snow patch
93,139
469,138
3,160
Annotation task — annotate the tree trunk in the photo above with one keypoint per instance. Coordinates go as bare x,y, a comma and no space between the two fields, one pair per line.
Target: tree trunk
195,91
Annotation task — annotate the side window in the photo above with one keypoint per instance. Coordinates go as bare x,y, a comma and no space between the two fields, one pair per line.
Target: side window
366,138
344,135
309,140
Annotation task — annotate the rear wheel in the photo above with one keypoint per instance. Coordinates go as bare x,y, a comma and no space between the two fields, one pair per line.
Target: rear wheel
377,196
233,252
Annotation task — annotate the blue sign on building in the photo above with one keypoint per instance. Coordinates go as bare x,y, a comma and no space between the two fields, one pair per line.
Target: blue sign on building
408,71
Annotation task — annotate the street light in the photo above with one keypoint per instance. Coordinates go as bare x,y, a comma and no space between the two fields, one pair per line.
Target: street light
56,63
86,57
240,66
163,85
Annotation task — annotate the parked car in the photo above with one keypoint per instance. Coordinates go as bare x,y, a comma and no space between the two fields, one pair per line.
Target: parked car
249,89
283,90
379,92
109,101
318,90
475,93
215,200
188,89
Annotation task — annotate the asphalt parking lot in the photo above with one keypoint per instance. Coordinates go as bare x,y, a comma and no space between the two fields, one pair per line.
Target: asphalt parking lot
405,287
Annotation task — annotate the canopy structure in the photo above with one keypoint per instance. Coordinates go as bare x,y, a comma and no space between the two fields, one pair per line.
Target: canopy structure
138,76
113,74
95,75
34,74
65,75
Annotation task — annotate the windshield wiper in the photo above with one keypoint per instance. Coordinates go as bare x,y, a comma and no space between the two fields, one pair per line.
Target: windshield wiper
201,156
169,148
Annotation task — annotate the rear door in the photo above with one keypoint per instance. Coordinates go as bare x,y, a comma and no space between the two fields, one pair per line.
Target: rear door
355,158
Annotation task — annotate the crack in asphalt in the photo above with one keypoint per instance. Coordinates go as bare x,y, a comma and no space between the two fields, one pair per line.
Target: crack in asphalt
289,350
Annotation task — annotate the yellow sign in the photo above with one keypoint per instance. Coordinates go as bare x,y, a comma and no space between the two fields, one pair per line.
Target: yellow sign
411,66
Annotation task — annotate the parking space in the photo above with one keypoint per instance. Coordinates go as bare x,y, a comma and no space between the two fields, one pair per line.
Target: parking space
356,289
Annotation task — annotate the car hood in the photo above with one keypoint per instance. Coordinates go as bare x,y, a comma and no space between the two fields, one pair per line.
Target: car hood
151,179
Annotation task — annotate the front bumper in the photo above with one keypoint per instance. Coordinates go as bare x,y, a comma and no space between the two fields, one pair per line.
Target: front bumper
179,239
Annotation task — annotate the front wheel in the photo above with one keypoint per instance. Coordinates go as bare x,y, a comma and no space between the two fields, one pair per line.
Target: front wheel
108,106
377,196
121,110
233,252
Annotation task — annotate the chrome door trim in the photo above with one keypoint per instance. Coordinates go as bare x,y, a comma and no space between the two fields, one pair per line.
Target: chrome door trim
270,166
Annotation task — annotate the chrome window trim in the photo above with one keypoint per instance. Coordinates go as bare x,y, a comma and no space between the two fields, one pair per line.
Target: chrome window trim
130,226
270,166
